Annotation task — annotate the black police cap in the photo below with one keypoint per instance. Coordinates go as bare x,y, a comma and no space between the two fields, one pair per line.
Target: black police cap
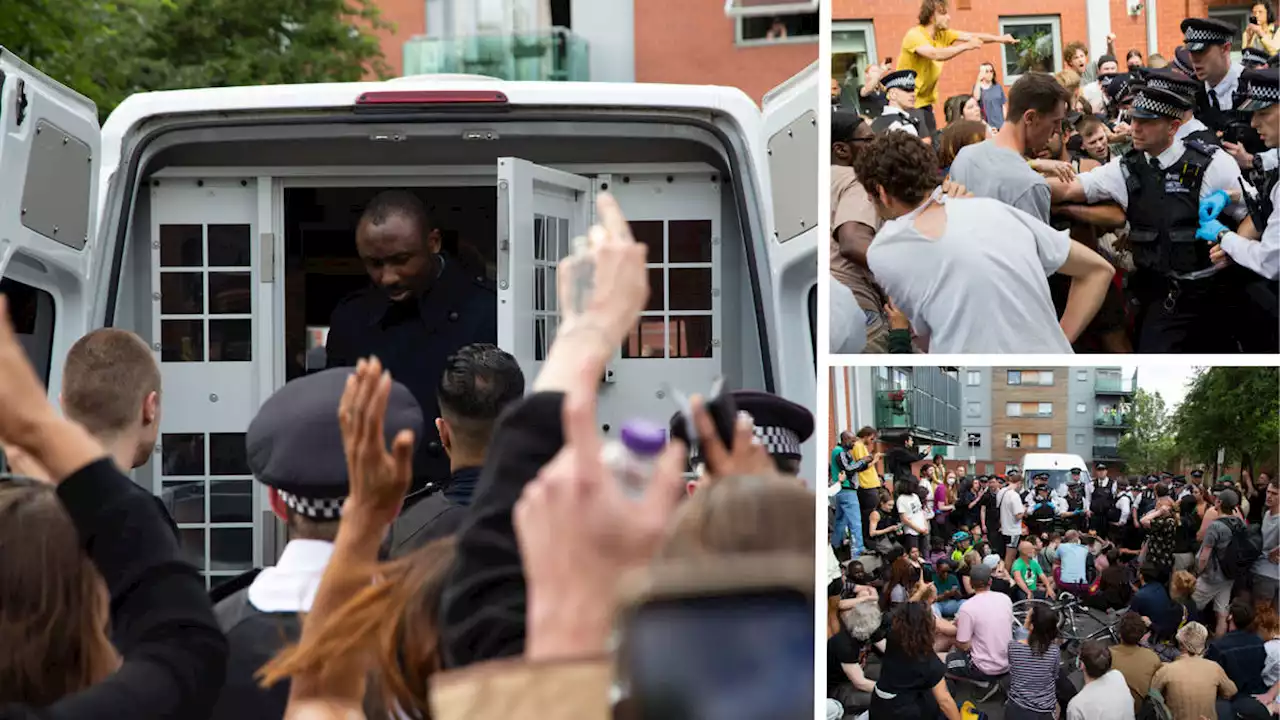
1259,88
1100,466
294,443
1200,33
1116,85
1173,80
1153,103
1075,471
1251,57
900,79
781,426
1197,473
1182,61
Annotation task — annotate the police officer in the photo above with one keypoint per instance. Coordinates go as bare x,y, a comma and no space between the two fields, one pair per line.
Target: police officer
1251,58
1259,95
422,308
1160,183
899,114
1175,81
1101,500
1041,511
294,447
1197,479
1209,43
780,425
1072,509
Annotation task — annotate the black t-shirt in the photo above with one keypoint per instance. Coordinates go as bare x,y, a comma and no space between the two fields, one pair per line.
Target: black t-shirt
962,515
842,649
993,512
912,680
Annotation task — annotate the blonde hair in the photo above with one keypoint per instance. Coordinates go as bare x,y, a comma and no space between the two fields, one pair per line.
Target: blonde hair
1192,638
1069,79
1184,583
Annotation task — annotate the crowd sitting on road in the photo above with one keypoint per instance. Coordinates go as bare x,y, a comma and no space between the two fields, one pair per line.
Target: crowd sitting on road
1104,208
501,602
1162,589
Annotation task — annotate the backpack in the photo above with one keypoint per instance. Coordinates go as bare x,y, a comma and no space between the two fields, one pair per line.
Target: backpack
1154,707
1241,551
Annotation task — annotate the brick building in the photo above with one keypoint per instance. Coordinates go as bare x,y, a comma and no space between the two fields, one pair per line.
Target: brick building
655,41
866,29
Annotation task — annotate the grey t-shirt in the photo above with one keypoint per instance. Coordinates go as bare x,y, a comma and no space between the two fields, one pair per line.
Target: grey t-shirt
1270,539
988,170
1218,535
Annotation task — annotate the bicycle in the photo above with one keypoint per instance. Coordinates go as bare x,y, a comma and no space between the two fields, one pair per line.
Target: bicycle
1072,618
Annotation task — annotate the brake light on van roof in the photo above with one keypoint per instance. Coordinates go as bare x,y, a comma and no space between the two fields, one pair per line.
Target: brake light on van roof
387,98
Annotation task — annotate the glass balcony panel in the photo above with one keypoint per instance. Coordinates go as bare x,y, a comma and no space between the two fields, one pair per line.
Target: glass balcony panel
553,54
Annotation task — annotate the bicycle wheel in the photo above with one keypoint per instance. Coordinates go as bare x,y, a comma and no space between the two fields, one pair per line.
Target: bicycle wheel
1022,607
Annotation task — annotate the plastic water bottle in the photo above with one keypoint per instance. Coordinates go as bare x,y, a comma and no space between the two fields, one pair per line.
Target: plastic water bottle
634,455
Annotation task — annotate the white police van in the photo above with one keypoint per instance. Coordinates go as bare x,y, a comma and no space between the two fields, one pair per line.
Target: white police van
218,224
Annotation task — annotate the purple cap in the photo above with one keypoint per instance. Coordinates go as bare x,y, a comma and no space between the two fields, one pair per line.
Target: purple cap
643,437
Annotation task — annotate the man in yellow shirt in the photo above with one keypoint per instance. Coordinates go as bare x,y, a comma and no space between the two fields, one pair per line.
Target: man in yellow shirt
868,479
929,44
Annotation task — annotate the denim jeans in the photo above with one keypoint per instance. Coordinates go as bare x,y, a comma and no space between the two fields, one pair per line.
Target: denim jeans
848,520
949,608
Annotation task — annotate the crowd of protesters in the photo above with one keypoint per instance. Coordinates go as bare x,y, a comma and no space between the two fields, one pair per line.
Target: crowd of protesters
1104,208
944,582
501,601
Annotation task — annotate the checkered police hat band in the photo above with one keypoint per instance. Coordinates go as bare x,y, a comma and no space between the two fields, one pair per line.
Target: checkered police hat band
901,83
1142,102
1205,36
314,508
1263,93
776,441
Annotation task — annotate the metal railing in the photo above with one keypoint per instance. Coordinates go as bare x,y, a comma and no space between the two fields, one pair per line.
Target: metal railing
1115,384
1106,452
1111,420
553,54
930,408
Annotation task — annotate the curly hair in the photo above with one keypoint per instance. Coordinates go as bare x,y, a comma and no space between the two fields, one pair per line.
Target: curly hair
912,629
901,164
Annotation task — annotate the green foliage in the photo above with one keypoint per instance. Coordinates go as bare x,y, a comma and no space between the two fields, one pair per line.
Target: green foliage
1235,408
110,50
1149,446
1035,52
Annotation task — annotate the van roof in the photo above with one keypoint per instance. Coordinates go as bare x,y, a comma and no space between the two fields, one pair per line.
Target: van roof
1052,461
265,98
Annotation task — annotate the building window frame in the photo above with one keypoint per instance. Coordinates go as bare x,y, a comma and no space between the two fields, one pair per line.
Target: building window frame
1044,441
1013,441
1082,408
1029,378
1082,375
974,378
742,41
1008,24
973,409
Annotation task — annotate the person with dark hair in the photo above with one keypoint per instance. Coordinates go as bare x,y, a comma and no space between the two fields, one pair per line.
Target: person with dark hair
422,307
868,482
1133,59
915,528
1105,696
1261,32
883,528
955,137
853,225
1176,81
933,249
1266,569
1163,225
1154,605
478,383
1033,667
929,44
984,629
912,684
991,98
1242,654
1001,167
1136,663
1093,139
1209,42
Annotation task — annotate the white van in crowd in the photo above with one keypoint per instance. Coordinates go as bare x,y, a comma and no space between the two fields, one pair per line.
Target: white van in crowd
219,223
1058,466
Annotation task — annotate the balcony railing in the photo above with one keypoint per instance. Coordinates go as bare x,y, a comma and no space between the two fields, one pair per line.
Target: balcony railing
1106,452
918,413
554,54
1111,420
1114,385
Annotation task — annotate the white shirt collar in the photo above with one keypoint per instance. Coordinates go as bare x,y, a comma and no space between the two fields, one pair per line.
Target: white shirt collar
1188,127
1225,89
291,585
1170,154
894,110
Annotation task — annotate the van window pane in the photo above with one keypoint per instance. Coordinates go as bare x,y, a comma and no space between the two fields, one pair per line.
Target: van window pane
33,313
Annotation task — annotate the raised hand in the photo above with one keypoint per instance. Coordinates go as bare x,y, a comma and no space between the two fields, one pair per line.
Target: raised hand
379,478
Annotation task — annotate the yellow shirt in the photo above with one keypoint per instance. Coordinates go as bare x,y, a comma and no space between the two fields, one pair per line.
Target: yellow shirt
927,71
869,478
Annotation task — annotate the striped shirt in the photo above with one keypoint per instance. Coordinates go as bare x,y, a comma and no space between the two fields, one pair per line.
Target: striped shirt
1033,678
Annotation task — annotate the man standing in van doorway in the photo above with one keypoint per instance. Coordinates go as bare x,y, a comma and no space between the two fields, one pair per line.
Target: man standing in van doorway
422,308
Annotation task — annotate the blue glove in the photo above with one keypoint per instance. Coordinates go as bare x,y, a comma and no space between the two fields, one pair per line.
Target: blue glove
1209,229
1212,205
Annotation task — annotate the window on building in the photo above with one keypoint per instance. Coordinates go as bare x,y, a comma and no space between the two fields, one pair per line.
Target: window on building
1080,408
1038,46
1013,440
901,379
1028,409
975,378
1030,377
32,313
1044,441
1108,441
771,30
853,50
1079,439
973,409
989,469
1082,375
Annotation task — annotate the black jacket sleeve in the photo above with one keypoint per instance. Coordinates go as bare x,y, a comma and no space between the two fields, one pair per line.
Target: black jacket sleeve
162,621
482,613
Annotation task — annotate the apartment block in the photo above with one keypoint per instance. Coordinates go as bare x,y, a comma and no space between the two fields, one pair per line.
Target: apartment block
922,403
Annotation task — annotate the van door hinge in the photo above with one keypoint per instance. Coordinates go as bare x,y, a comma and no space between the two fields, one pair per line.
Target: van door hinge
267,257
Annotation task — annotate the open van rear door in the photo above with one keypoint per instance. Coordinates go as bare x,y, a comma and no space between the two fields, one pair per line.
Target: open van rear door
49,155
793,157
540,212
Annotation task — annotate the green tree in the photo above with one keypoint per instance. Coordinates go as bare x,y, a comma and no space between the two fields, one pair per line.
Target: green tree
1234,408
1149,446
110,50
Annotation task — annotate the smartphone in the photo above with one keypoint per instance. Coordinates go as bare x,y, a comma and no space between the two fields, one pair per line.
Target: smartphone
1253,20
728,641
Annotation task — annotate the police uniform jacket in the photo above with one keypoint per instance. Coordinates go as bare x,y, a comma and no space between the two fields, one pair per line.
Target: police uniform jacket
895,118
413,339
